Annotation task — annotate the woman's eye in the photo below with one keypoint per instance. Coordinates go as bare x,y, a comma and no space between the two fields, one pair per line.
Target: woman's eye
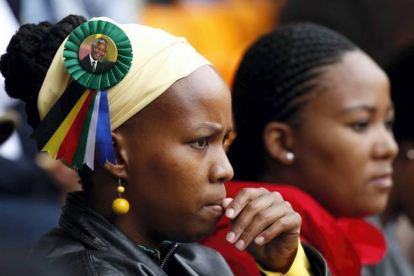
390,124
200,143
360,126
225,138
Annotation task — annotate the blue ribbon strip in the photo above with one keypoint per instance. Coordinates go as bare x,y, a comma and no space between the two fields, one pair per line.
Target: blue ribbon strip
103,131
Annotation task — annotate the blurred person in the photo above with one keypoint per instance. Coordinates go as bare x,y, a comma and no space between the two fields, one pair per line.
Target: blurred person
25,217
28,198
157,184
400,73
52,10
64,179
19,147
312,111
400,204
12,148
7,126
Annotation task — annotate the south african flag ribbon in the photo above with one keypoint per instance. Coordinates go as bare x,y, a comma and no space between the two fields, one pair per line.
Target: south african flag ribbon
77,122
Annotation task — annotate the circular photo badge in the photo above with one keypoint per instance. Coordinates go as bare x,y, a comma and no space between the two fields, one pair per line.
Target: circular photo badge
98,54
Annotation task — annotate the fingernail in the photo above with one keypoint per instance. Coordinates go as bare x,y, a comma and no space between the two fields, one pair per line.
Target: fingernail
240,245
230,236
226,202
259,240
230,213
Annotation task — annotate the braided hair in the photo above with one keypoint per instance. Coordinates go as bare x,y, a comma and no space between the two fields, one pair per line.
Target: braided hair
29,56
400,72
27,60
276,72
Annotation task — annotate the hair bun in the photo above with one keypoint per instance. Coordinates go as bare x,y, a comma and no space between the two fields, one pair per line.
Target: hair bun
28,57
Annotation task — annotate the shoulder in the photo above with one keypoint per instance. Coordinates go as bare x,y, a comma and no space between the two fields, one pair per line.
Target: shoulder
87,263
76,258
60,249
203,260
64,252
54,244
106,64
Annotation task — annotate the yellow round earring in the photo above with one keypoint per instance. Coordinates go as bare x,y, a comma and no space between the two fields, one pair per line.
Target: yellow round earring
120,206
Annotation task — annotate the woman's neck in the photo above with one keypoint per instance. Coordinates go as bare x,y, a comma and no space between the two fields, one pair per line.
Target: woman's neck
130,224
390,213
275,175
135,232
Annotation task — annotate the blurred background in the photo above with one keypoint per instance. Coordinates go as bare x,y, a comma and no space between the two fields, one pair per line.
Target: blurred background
33,186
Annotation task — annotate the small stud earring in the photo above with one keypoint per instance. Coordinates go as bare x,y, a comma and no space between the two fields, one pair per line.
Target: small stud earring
120,206
290,156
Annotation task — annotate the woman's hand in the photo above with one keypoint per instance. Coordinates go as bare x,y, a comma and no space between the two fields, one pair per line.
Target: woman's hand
266,225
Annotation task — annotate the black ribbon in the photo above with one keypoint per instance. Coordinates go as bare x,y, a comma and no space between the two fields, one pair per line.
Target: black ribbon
57,114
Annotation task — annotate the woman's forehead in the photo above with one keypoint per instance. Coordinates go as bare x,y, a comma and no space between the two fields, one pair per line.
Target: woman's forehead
199,89
202,96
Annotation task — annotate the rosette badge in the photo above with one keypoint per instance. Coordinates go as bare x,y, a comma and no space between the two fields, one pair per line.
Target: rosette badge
97,55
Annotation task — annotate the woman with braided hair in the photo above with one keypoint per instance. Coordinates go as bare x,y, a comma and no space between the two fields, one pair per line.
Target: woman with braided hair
312,111
147,140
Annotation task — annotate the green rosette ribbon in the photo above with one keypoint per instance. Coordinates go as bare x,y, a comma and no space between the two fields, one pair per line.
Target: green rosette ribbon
119,69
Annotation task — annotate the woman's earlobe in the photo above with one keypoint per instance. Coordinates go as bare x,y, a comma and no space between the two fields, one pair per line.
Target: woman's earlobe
278,142
118,169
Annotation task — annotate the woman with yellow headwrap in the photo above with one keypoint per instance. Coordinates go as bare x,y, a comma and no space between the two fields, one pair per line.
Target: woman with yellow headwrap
147,138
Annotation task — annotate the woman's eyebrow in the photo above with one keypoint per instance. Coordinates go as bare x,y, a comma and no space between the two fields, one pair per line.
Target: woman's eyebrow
213,127
369,108
366,107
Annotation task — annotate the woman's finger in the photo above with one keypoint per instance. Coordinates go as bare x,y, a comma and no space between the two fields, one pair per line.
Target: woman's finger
242,199
248,214
226,202
288,224
263,220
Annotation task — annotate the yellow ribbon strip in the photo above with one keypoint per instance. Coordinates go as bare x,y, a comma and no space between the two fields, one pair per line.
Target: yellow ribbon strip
56,140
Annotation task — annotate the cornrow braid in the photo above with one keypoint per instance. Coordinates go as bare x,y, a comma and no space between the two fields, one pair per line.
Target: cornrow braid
275,73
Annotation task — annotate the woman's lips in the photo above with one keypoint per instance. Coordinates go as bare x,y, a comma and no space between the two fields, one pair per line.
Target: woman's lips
382,182
215,208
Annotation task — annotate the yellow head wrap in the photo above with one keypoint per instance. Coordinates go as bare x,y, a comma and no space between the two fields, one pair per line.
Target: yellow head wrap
159,60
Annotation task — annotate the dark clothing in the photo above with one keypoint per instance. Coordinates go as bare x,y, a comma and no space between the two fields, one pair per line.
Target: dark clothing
101,67
24,179
87,244
25,220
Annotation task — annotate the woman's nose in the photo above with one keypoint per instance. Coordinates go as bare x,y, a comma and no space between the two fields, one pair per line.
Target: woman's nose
221,170
385,147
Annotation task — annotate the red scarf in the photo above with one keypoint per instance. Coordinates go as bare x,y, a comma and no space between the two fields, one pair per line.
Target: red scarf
346,244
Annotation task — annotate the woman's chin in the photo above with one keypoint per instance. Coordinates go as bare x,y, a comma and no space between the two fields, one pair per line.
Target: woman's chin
194,236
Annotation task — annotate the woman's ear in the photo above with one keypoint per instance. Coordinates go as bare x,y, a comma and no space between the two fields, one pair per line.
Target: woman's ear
279,141
118,170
